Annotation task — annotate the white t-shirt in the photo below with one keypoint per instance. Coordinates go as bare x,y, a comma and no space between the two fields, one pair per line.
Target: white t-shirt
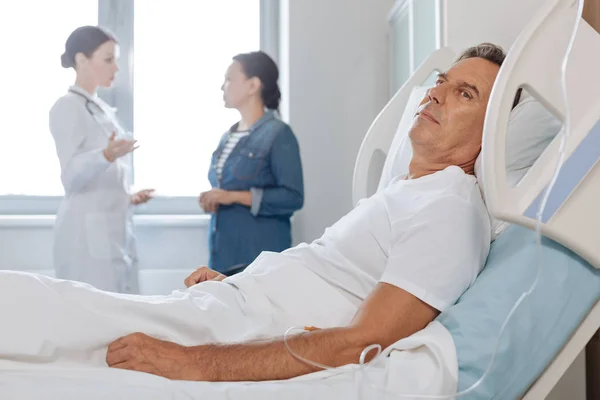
429,236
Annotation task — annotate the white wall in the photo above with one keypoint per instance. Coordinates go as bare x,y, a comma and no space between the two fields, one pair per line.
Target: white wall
335,67
470,22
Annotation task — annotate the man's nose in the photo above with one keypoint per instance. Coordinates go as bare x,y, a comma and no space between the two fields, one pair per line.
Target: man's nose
436,94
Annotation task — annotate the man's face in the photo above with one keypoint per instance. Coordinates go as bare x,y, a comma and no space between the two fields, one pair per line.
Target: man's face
449,121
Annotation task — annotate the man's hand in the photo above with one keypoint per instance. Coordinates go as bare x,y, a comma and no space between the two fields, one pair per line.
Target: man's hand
140,352
141,197
203,274
211,200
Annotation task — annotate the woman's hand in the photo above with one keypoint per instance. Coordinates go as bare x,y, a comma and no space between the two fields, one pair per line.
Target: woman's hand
203,274
211,200
141,197
118,148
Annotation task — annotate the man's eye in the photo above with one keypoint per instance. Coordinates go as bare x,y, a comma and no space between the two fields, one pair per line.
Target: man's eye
466,94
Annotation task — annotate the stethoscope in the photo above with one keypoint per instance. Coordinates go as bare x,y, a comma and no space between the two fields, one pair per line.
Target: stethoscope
120,131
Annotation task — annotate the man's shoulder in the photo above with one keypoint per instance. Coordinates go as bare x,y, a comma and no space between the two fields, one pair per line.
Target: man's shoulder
446,186
442,199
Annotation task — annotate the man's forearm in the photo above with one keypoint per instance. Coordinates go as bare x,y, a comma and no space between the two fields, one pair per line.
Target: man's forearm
386,316
271,360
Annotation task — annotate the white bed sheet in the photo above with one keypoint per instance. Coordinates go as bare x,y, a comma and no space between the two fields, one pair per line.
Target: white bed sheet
54,335
424,363
96,383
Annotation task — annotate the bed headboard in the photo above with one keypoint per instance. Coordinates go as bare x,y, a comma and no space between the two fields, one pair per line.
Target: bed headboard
572,214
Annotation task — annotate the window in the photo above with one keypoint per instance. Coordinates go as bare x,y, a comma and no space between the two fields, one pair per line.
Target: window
167,92
33,79
415,34
179,66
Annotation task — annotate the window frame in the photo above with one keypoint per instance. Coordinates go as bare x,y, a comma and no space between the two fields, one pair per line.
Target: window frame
118,16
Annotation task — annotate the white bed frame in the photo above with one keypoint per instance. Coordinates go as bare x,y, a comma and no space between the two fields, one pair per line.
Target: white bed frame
533,62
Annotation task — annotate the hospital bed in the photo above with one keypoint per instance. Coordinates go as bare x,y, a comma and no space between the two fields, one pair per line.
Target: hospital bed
532,358
546,333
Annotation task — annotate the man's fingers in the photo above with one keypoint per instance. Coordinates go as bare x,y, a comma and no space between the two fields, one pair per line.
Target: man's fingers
118,344
196,277
219,278
191,280
199,275
136,366
117,357
124,365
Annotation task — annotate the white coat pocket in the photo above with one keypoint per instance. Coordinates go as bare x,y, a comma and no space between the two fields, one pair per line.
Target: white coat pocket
106,235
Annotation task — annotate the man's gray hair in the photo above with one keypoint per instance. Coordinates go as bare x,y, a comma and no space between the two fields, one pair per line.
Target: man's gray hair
487,51
491,52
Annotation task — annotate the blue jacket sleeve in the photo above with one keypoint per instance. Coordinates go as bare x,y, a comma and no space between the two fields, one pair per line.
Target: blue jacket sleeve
287,195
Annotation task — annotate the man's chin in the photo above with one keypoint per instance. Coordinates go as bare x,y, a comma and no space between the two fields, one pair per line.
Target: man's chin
417,130
421,135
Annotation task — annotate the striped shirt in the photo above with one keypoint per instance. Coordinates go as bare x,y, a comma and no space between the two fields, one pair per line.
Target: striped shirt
232,141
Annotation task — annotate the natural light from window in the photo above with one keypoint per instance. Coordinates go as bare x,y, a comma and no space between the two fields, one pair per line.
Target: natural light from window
33,37
182,49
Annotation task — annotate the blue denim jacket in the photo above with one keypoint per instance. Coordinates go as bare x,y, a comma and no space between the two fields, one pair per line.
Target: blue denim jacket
267,163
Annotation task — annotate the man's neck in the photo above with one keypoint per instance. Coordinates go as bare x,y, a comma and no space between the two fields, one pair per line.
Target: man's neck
420,167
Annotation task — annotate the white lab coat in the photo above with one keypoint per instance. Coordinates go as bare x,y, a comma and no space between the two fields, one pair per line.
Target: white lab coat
93,235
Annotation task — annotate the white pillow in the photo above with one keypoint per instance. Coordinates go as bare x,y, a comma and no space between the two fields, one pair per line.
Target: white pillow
400,153
531,128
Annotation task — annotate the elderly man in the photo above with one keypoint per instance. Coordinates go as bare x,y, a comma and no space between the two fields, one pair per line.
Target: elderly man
381,273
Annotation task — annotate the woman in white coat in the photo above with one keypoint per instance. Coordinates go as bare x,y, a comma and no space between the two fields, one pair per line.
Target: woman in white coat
93,240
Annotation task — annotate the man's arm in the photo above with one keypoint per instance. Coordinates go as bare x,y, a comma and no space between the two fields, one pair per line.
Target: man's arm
386,316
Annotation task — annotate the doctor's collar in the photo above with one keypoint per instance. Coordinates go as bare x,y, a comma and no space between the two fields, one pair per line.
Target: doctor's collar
82,91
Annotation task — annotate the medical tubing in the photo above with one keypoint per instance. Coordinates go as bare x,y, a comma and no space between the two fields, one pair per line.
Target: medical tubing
316,364
363,367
